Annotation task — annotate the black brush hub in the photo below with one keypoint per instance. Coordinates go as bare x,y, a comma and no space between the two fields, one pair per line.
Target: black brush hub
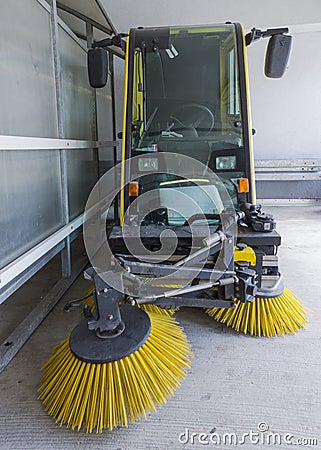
87,346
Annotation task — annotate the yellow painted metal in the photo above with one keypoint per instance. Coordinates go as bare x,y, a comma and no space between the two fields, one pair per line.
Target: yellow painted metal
268,317
248,255
252,180
218,28
138,97
123,151
223,87
169,286
229,44
98,396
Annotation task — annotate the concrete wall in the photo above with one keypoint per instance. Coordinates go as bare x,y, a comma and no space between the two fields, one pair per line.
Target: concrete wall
286,112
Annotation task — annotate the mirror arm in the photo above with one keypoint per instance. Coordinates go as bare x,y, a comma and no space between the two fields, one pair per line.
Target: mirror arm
253,35
256,34
115,40
272,31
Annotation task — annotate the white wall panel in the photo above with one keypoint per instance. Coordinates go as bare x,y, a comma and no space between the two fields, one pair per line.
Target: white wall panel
27,89
78,121
76,92
30,200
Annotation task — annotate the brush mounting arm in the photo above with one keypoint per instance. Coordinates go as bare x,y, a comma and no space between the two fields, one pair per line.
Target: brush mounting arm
194,302
106,319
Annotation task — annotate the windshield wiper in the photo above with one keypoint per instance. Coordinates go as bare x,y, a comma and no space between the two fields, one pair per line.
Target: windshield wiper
148,124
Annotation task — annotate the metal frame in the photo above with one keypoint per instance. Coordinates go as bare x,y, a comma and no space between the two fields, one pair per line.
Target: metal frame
80,39
90,40
288,170
266,202
19,265
13,275
87,19
113,96
45,5
106,16
61,23
66,251
73,36
34,143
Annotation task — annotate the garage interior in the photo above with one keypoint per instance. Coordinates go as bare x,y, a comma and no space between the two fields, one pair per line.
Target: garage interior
58,136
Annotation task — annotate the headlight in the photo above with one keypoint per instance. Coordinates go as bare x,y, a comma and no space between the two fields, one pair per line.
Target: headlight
147,164
225,162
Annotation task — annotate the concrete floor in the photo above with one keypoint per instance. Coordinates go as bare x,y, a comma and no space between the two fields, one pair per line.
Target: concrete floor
235,382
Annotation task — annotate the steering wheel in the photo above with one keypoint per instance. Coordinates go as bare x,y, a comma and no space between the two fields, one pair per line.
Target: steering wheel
192,116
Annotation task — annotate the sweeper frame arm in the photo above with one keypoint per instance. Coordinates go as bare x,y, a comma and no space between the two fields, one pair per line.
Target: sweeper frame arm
201,285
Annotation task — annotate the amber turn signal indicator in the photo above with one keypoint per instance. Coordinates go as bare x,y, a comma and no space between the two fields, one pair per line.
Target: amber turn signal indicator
133,189
243,185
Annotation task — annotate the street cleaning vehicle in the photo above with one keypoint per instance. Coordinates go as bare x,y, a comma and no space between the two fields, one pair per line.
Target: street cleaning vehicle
187,232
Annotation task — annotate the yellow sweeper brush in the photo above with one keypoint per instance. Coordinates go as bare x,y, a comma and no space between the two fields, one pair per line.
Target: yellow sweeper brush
104,377
265,316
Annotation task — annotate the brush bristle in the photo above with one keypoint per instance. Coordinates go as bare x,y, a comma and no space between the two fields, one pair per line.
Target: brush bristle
269,317
98,396
145,307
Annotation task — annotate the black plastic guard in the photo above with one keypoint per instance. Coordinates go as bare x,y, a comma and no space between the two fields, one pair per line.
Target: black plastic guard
88,347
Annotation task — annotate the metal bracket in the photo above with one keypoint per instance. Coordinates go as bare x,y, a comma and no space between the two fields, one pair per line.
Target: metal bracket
179,302
115,40
106,317
157,270
256,34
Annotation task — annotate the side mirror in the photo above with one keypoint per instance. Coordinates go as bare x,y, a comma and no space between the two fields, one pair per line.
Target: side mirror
97,63
277,55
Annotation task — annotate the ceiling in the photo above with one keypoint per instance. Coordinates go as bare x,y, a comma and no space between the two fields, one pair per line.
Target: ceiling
76,13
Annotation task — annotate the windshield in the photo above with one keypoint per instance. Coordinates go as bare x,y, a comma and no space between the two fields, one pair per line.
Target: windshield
186,98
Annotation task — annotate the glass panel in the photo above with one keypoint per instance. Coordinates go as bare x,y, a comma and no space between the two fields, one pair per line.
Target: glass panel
27,89
76,92
186,97
105,112
186,100
30,190
78,121
30,200
82,176
233,100
105,126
